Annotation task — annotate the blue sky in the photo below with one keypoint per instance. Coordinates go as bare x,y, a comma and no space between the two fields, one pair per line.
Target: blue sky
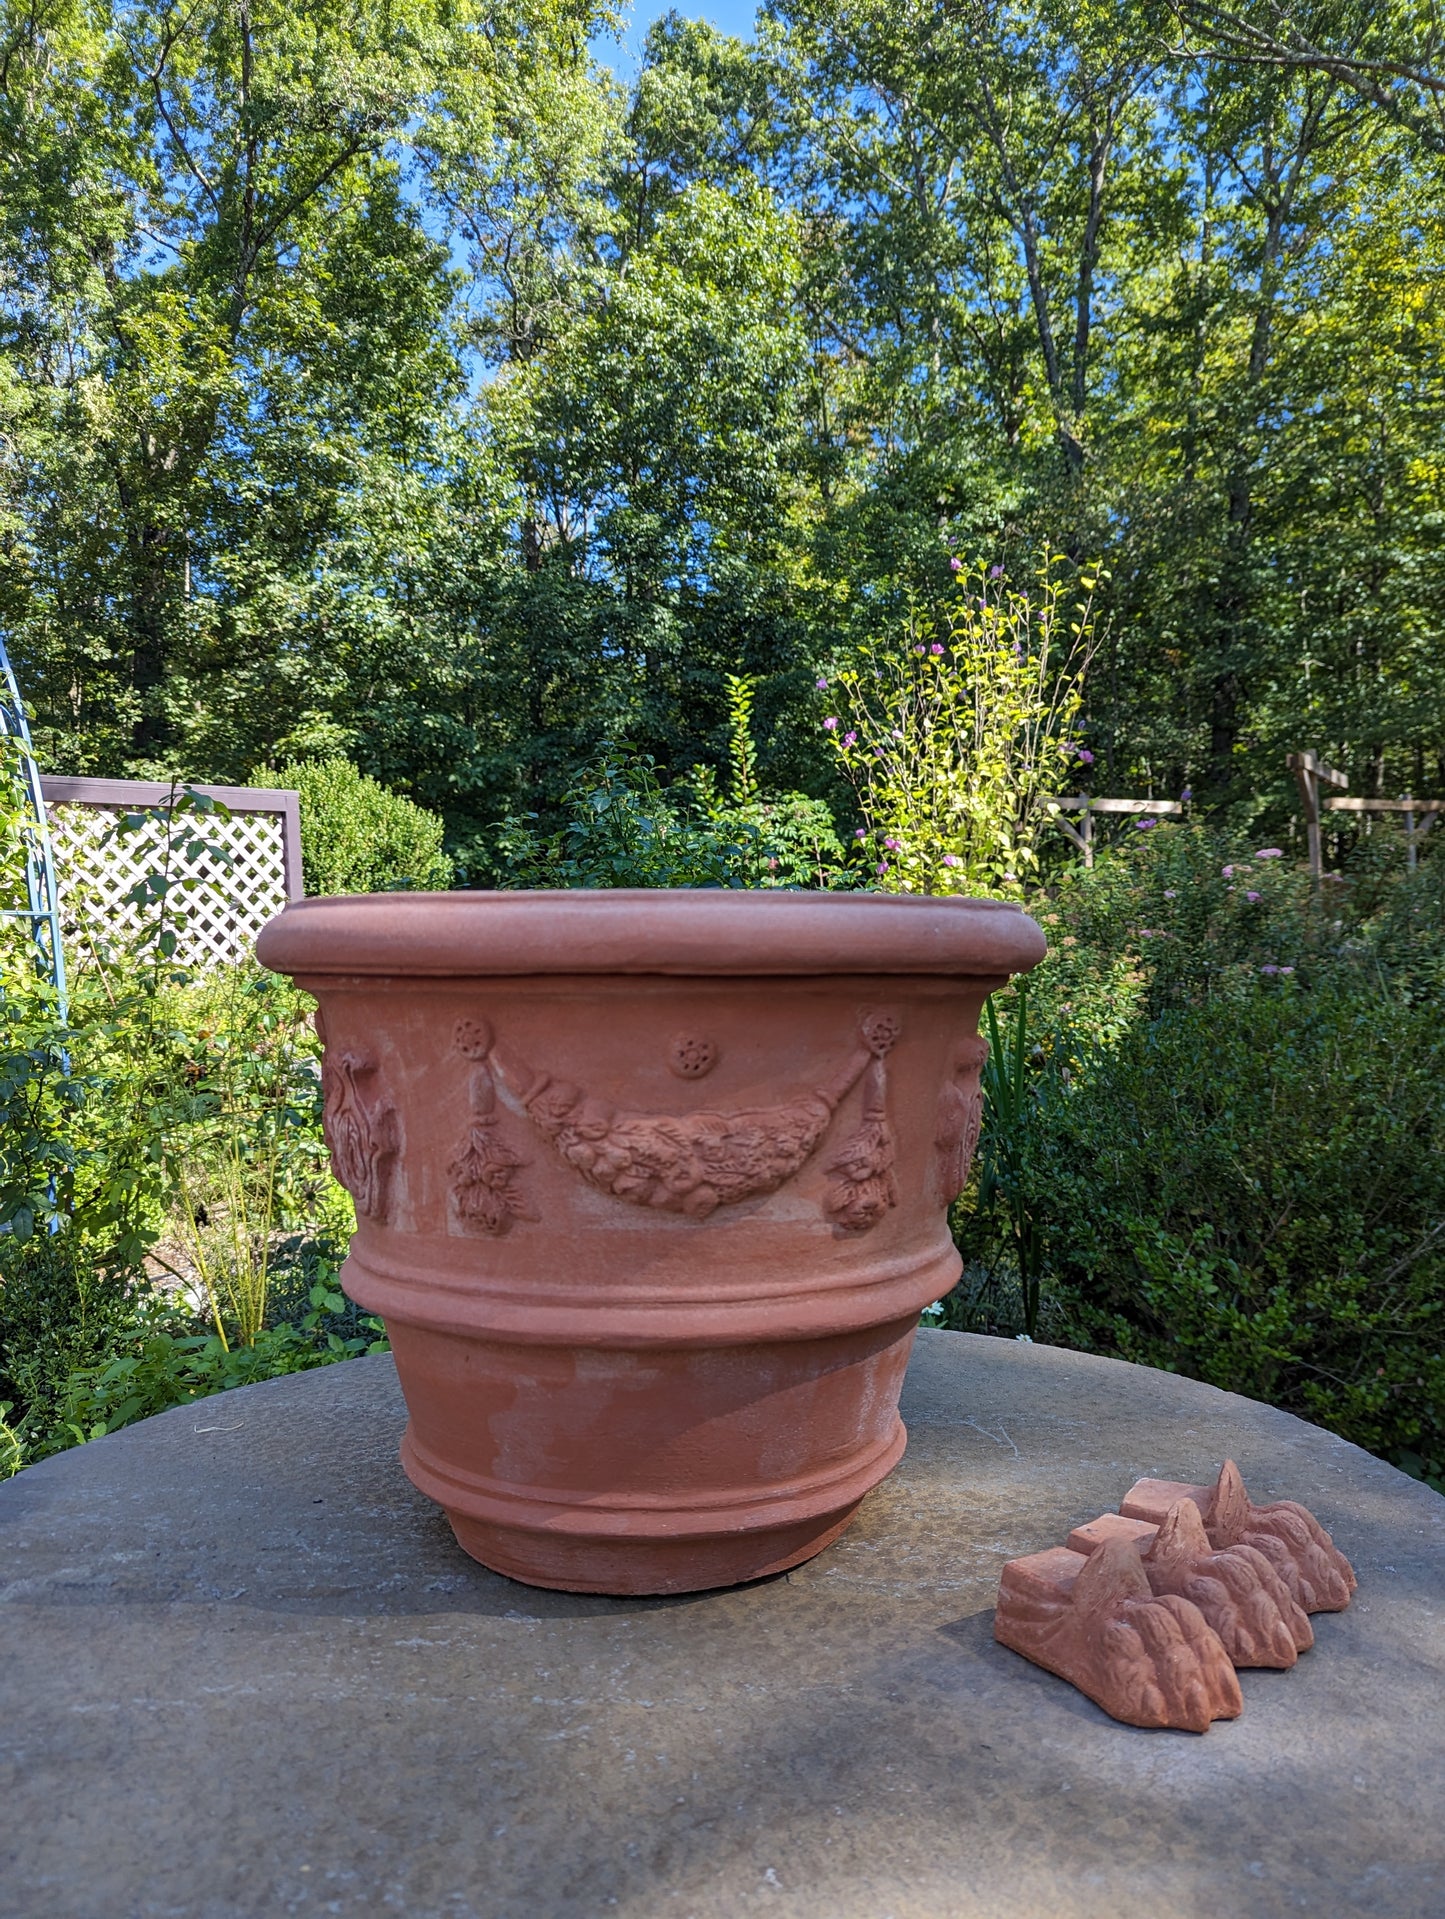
729,16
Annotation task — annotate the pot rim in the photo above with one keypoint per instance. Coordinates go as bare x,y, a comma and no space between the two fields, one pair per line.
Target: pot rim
647,931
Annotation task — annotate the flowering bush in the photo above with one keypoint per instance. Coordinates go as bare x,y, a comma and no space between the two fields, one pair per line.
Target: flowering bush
954,742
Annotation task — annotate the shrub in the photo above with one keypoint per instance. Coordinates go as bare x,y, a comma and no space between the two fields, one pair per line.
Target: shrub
1220,1140
59,1313
164,1360
783,839
357,836
171,1125
1252,1191
623,829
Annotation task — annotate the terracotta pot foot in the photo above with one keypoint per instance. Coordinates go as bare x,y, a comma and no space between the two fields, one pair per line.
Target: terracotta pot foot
1093,1620
1316,1572
1237,1589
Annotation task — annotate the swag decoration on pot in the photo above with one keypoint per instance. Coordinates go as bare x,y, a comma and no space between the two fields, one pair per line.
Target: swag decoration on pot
651,1189
686,1162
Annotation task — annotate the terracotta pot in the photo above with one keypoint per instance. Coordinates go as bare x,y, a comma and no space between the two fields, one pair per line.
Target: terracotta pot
651,1188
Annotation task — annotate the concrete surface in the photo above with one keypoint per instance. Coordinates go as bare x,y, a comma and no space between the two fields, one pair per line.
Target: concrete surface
244,1669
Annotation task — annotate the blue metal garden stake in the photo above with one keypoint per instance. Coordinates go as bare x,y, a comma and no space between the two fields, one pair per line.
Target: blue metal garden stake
42,895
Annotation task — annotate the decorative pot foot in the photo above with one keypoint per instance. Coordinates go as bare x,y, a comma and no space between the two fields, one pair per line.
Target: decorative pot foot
1236,1589
1092,1619
1316,1572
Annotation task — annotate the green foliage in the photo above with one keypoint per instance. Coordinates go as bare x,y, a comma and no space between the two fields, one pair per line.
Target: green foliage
1009,1120
157,1360
163,1365
787,839
356,835
1250,1190
81,1144
1213,1126
169,1129
767,336
953,744
59,1314
623,829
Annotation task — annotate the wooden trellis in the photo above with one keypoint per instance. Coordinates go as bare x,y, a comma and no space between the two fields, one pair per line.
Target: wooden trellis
217,921
1082,835
1419,816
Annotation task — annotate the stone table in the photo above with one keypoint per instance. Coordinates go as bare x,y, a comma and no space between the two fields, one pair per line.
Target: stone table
244,1669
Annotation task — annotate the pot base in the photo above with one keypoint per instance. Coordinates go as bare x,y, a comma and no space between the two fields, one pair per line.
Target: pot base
637,1568
654,1471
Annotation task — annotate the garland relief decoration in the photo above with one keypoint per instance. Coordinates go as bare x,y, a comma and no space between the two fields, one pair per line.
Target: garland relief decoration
689,1163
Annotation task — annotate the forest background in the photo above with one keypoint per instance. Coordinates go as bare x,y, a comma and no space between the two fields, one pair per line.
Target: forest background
388,380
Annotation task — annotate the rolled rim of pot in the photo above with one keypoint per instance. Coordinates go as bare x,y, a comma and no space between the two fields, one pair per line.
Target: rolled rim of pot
715,932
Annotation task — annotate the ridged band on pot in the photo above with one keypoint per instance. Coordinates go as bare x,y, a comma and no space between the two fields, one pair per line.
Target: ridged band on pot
650,1190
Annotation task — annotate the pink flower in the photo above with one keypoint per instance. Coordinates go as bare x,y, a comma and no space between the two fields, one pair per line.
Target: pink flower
1252,897
995,572
829,724
1144,825
859,833
1270,853
892,845
955,566
936,650
952,859
884,867
1086,758
1228,872
1286,969
822,685
1170,893
850,739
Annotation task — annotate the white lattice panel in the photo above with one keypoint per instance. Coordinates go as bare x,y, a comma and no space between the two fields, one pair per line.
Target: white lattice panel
216,921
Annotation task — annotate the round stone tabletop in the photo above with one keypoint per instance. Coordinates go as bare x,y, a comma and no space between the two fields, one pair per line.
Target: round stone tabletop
244,1669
